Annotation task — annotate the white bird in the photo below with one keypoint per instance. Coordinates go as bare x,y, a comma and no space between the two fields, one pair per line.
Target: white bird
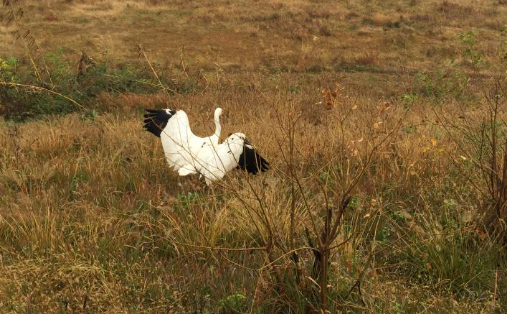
178,141
189,154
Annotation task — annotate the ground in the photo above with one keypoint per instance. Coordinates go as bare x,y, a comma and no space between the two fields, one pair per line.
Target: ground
385,119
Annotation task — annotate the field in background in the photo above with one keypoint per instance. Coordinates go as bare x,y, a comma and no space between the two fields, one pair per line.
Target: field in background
369,40
384,117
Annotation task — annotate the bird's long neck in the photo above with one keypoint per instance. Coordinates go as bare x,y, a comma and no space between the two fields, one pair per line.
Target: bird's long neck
218,127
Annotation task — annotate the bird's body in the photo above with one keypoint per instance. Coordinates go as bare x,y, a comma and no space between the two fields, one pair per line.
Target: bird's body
189,154
181,145
234,152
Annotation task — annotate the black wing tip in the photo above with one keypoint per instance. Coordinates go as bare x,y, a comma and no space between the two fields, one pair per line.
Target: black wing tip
264,165
252,162
152,112
155,120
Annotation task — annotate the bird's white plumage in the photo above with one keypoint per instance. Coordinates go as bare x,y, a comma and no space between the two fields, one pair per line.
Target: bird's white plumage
190,154
217,162
218,128
182,147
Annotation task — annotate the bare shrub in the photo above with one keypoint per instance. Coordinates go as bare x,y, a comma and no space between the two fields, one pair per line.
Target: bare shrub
479,136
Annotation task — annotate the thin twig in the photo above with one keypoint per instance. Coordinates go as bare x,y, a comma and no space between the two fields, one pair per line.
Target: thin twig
141,50
39,88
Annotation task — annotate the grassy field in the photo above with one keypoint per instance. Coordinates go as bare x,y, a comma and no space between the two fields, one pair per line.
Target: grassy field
384,123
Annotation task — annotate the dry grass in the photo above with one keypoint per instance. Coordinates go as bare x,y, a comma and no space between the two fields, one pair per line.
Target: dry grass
92,220
244,35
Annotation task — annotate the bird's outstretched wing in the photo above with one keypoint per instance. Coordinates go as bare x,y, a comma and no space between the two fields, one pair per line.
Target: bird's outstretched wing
251,161
156,120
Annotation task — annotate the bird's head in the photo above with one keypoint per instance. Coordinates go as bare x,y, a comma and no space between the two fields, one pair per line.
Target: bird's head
220,116
218,113
238,138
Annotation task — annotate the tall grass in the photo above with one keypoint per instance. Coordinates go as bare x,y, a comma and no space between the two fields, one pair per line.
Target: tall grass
93,219
382,205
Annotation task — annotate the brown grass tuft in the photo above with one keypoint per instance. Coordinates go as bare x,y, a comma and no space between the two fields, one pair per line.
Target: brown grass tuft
376,196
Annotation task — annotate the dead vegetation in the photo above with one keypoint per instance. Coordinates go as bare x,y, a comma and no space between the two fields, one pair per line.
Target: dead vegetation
384,123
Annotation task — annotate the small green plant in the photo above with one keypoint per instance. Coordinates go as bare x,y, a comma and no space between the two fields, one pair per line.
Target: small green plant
450,82
470,53
439,86
186,200
8,69
398,308
59,68
409,100
233,304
